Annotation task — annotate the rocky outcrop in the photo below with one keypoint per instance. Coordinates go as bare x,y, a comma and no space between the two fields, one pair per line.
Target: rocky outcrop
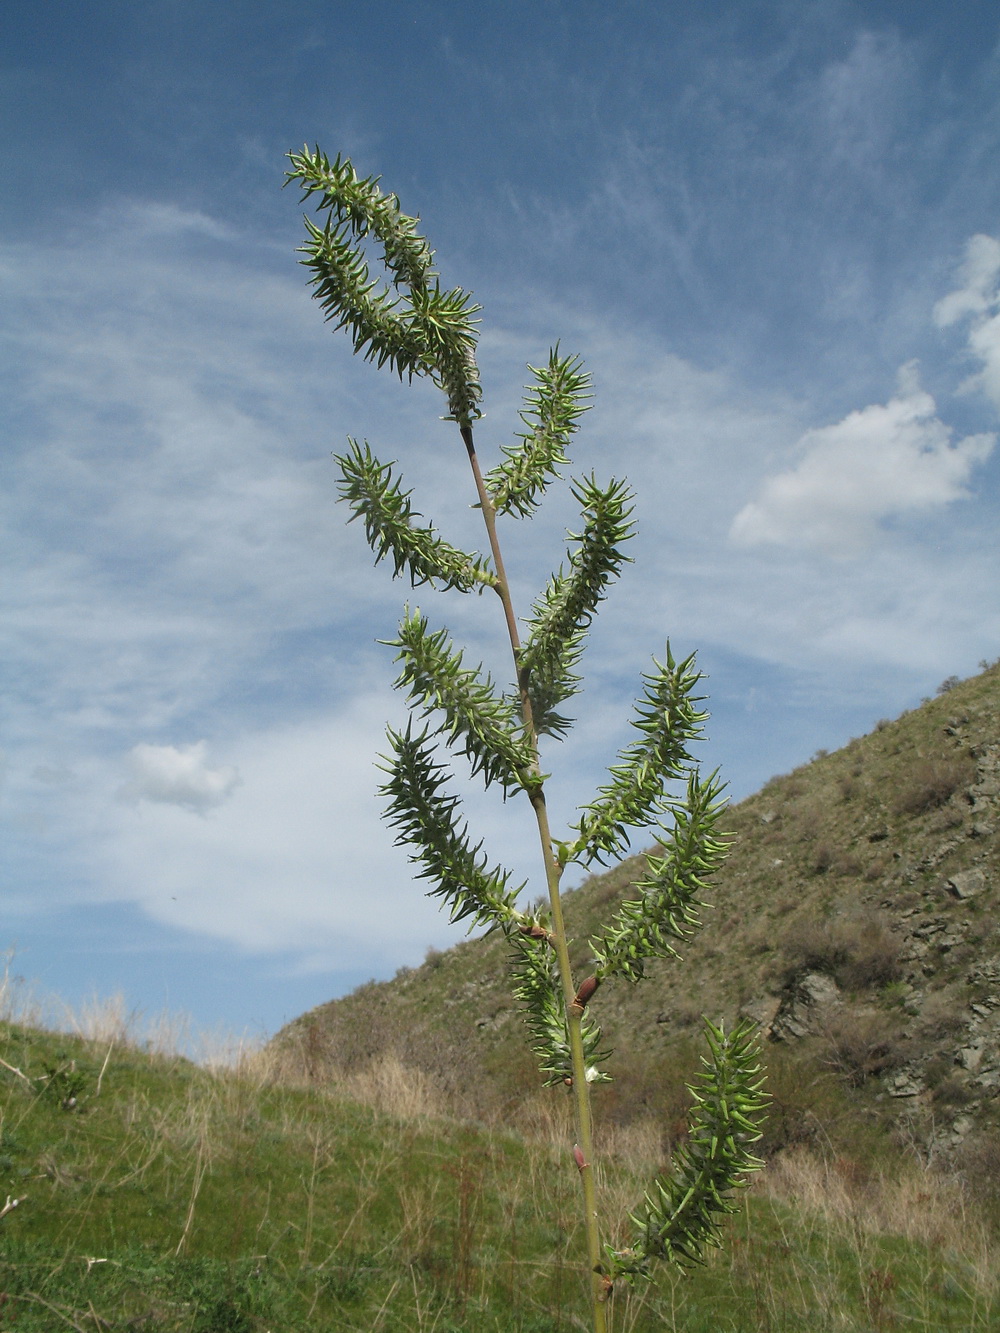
806,1008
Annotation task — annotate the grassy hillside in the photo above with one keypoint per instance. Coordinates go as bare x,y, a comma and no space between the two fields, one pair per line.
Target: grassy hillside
154,1196
389,1164
857,919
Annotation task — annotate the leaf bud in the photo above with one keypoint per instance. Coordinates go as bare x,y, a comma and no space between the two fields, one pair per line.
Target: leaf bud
585,994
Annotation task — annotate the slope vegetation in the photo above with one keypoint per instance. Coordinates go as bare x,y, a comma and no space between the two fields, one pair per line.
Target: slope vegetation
856,920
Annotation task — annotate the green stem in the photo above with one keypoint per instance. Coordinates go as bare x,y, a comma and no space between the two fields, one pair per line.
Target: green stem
557,938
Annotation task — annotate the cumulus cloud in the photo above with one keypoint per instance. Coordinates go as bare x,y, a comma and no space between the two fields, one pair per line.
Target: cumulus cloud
299,859
978,298
179,775
879,462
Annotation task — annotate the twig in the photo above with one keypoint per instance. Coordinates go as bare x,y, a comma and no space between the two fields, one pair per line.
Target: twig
100,1076
11,1204
34,1296
199,1175
18,1072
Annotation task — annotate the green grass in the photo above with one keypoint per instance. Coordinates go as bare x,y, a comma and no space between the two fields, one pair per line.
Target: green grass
169,1197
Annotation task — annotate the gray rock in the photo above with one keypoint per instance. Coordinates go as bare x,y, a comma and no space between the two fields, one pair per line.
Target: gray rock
763,1012
907,1083
967,883
930,926
814,994
963,1125
988,971
970,1058
816,989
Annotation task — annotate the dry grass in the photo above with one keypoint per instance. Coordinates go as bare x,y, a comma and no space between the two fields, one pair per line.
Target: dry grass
861,1045
18,1002
859,949
108,1021
385,1083
916,1202
932,782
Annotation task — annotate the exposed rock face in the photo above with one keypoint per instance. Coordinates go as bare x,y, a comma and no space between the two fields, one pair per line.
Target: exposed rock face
906,1083
763,1012
967,883
980,1055
806,1007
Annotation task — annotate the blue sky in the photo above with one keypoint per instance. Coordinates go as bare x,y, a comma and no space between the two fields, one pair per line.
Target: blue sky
772,231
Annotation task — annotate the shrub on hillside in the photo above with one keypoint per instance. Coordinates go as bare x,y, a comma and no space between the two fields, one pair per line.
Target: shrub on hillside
825,860
860,952
859,1046
807,1108
931,783
978,1161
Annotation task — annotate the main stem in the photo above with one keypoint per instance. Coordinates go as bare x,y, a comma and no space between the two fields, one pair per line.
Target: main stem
557,938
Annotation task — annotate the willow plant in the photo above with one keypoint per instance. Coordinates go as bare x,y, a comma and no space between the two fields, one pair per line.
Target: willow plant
406,320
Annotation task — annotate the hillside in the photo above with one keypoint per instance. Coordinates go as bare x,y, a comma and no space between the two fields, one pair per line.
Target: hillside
856,920
145,1195
326,1183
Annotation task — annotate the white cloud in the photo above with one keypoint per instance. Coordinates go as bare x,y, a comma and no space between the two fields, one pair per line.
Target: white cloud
877,463
179,775
180,567
978,276
979,298
297,859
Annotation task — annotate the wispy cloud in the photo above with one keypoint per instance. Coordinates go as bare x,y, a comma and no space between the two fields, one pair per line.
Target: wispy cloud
978,300
294,856
978,274
179,570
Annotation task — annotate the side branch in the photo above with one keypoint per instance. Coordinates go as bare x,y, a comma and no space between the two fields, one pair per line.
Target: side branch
377,496
538,986
667,720
562,615
682,1213
429,332
427,818
666,912
478,721
553,408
